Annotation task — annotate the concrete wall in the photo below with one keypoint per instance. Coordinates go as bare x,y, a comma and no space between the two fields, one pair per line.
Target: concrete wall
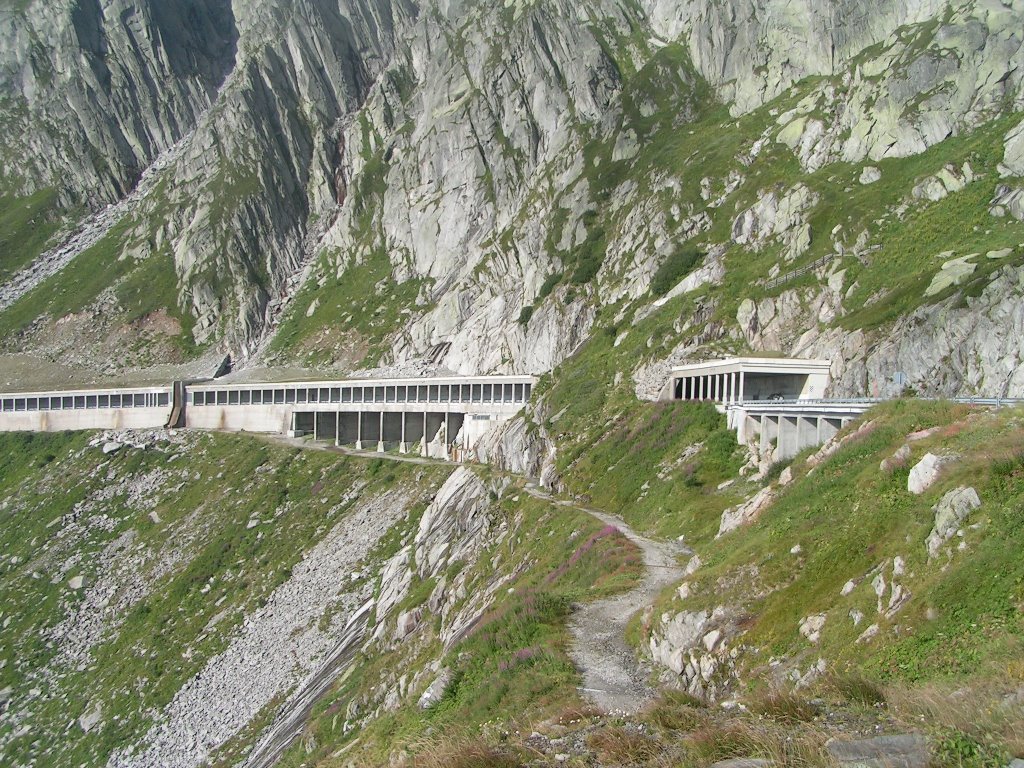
241,418
107,418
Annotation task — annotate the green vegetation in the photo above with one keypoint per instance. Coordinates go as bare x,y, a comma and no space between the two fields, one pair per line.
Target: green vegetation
510,664
675,268
355,313
27,225
221,567
141,287
851,519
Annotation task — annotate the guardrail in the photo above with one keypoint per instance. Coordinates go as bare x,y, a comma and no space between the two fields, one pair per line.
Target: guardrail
869,401
795,273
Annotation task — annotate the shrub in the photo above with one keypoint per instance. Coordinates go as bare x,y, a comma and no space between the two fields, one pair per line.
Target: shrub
587,269
463,753
549,285
714,743
525,314
675,268
957,749
858,689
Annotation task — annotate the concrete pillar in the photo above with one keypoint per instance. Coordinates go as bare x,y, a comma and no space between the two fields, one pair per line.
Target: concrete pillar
448,434
337,428
741,386
403,447
359,430
714,387
316,431
380,435
807,432
423,449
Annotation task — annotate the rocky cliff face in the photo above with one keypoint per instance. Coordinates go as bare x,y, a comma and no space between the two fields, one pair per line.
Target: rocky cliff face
479,185
94,92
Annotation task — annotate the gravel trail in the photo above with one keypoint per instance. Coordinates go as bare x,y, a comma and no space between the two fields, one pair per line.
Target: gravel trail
613,677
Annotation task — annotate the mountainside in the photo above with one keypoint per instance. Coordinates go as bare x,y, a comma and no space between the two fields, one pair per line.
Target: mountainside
588,192
477,186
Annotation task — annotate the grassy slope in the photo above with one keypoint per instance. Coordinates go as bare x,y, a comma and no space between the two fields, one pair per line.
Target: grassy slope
848,516
512,668
140,667
26,226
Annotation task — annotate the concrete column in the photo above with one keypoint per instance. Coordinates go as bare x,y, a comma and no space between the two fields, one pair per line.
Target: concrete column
732,387
380,435
402,447
293,425
423,449
359,430
337,428
741,386
448,433
316,432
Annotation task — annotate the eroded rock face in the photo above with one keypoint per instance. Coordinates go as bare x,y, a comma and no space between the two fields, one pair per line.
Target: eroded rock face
122,80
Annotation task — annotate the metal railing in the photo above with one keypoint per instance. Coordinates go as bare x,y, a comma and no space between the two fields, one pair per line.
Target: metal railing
775,282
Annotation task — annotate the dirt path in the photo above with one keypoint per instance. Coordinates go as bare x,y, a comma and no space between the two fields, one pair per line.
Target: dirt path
613,678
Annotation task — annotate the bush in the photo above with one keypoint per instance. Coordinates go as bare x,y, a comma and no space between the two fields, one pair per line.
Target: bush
549,285
463,754
858,689
526,314
677,711
587,269
957,749
675,268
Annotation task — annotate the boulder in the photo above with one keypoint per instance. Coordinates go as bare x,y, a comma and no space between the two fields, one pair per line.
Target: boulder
950,513
1013,155
76,582
811,627
900,751
897,460
870,175
926,472
89,720
747,512
436,689
953,272
112,447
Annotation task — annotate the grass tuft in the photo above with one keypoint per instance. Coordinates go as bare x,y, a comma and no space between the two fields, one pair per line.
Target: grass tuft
619,745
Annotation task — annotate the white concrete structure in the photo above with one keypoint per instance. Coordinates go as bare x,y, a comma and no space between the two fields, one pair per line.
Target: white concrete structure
442,417
777,401
740,379
136,408
788,427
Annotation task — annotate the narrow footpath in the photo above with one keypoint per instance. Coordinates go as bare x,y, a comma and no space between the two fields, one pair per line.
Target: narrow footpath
613,677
